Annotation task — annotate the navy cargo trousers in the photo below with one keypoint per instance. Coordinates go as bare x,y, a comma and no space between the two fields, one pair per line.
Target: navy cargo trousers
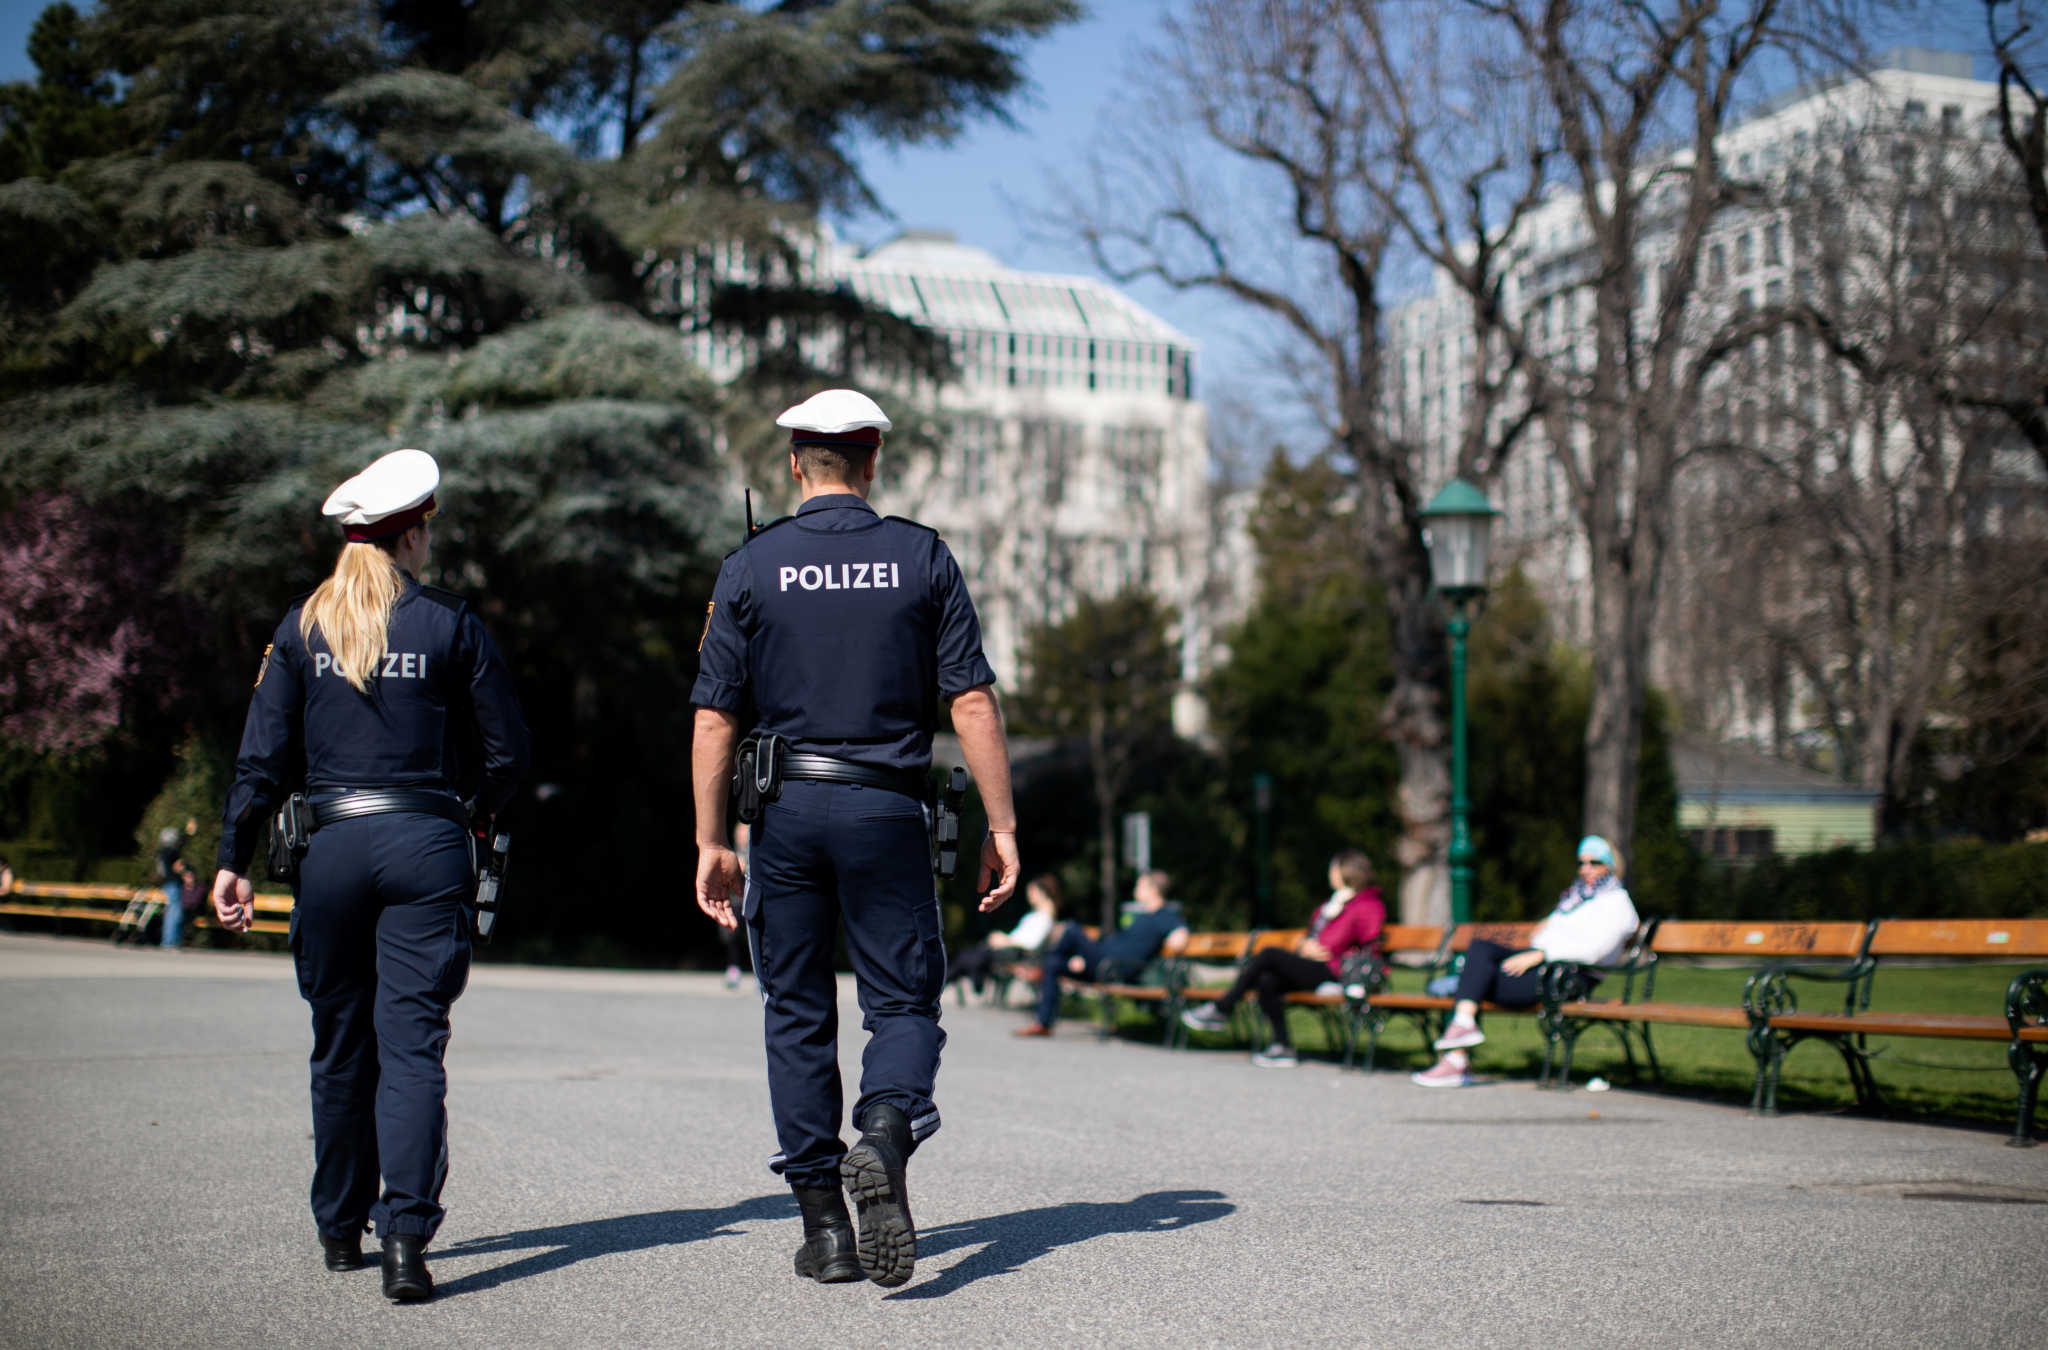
380,939
828,856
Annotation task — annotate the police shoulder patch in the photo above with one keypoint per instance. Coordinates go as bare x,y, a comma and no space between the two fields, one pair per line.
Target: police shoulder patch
263,667
709,606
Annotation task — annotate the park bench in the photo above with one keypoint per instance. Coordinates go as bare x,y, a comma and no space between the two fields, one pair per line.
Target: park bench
2023,1025
128,907
1430,1011
1161,987
1632,1012
1339,1002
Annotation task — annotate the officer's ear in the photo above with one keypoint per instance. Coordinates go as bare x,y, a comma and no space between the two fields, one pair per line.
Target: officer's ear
796,468
867,472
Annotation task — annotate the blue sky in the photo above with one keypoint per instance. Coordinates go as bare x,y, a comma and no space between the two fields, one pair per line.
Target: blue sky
970,187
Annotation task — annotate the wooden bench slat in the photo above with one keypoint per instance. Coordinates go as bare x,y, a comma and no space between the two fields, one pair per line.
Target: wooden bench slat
1685,937
1665,1014
2011,939
1942,1026
1514,935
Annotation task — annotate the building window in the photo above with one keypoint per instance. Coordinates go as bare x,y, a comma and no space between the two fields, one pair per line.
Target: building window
1744,252
974,450
1132,457
1774,245
1049,448
1717,265
1734,845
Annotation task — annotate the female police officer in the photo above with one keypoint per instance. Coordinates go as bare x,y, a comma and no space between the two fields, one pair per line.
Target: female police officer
396,700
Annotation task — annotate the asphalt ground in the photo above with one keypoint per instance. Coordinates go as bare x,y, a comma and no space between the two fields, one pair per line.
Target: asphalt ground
609,1188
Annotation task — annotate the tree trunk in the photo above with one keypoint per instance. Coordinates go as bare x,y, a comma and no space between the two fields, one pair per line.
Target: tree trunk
1416,725
1614,723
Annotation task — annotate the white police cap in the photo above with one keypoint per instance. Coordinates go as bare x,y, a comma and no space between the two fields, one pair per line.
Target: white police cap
390,497
838,414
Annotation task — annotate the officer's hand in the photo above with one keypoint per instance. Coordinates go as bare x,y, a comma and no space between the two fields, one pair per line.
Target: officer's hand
999,860
720,879
234,900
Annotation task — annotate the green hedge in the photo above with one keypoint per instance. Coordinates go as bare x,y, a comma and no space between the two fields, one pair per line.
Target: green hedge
1955,879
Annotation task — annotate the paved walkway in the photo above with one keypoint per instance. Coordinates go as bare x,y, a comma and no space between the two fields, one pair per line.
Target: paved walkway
608,1190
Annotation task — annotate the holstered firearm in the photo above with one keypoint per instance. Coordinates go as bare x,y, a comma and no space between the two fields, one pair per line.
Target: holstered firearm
290,830
946,826
490,880
756,776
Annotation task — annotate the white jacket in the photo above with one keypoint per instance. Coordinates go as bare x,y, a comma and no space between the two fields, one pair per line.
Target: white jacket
1593,931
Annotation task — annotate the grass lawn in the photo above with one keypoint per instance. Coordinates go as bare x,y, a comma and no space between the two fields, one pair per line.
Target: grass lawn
1933,1079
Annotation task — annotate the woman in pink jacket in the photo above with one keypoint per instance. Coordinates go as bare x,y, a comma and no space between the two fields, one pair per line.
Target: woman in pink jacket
1349,921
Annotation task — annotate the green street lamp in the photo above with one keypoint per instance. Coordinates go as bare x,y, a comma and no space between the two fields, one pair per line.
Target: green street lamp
1458,526
1262,816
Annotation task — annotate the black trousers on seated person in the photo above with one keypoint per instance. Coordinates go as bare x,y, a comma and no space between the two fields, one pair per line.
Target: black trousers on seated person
1482,980
972,964
1274,973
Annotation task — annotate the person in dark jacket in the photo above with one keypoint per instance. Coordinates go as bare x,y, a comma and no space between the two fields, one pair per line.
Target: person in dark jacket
395,700
1157,927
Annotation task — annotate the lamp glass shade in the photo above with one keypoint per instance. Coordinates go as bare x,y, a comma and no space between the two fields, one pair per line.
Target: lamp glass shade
1459,533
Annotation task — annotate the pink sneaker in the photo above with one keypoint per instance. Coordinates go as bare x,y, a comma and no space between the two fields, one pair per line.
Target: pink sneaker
1460,1035
1450,1071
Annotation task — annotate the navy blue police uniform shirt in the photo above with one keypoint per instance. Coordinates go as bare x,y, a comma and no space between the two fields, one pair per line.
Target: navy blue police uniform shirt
440,712
847,628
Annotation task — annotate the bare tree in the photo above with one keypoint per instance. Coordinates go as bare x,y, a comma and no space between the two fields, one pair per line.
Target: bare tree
2023,131
1853,577
1406,137
1329,127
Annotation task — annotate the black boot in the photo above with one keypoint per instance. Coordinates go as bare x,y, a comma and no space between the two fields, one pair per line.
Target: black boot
872,1171
405,1269
827,1253
343,1253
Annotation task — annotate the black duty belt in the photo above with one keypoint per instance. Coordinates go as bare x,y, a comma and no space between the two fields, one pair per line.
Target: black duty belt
825,769
385,801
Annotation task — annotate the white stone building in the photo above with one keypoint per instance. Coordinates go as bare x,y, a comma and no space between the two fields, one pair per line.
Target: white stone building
1856,129
1072,452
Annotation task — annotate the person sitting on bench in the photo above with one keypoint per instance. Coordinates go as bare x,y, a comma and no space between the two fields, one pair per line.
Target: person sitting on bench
1592,923
1350,920
974,964
1157,927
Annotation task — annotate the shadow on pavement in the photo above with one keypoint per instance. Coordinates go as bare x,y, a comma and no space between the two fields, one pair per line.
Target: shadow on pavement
1008,1241
566,1244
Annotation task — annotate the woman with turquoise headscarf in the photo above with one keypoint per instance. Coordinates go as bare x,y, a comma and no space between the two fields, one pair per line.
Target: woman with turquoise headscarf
1591,924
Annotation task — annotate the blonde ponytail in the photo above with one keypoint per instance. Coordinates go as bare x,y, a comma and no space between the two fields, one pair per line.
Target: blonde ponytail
352,610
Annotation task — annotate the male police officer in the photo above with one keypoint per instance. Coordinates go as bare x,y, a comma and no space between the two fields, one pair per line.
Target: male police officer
847,629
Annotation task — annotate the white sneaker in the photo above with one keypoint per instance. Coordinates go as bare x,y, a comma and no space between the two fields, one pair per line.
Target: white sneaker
1276,1056
1204,1018
1460,1035
1449,1072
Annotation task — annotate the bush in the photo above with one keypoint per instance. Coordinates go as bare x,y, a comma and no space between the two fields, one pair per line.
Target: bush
1953,879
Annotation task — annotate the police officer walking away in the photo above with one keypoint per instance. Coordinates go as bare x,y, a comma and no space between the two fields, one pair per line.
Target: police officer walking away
396,701
847,629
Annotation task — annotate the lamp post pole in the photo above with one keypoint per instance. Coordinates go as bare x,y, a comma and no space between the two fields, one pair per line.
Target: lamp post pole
1262,810
1461,802
1458,523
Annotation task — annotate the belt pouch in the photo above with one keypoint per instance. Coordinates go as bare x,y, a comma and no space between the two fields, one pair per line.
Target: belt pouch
290,829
